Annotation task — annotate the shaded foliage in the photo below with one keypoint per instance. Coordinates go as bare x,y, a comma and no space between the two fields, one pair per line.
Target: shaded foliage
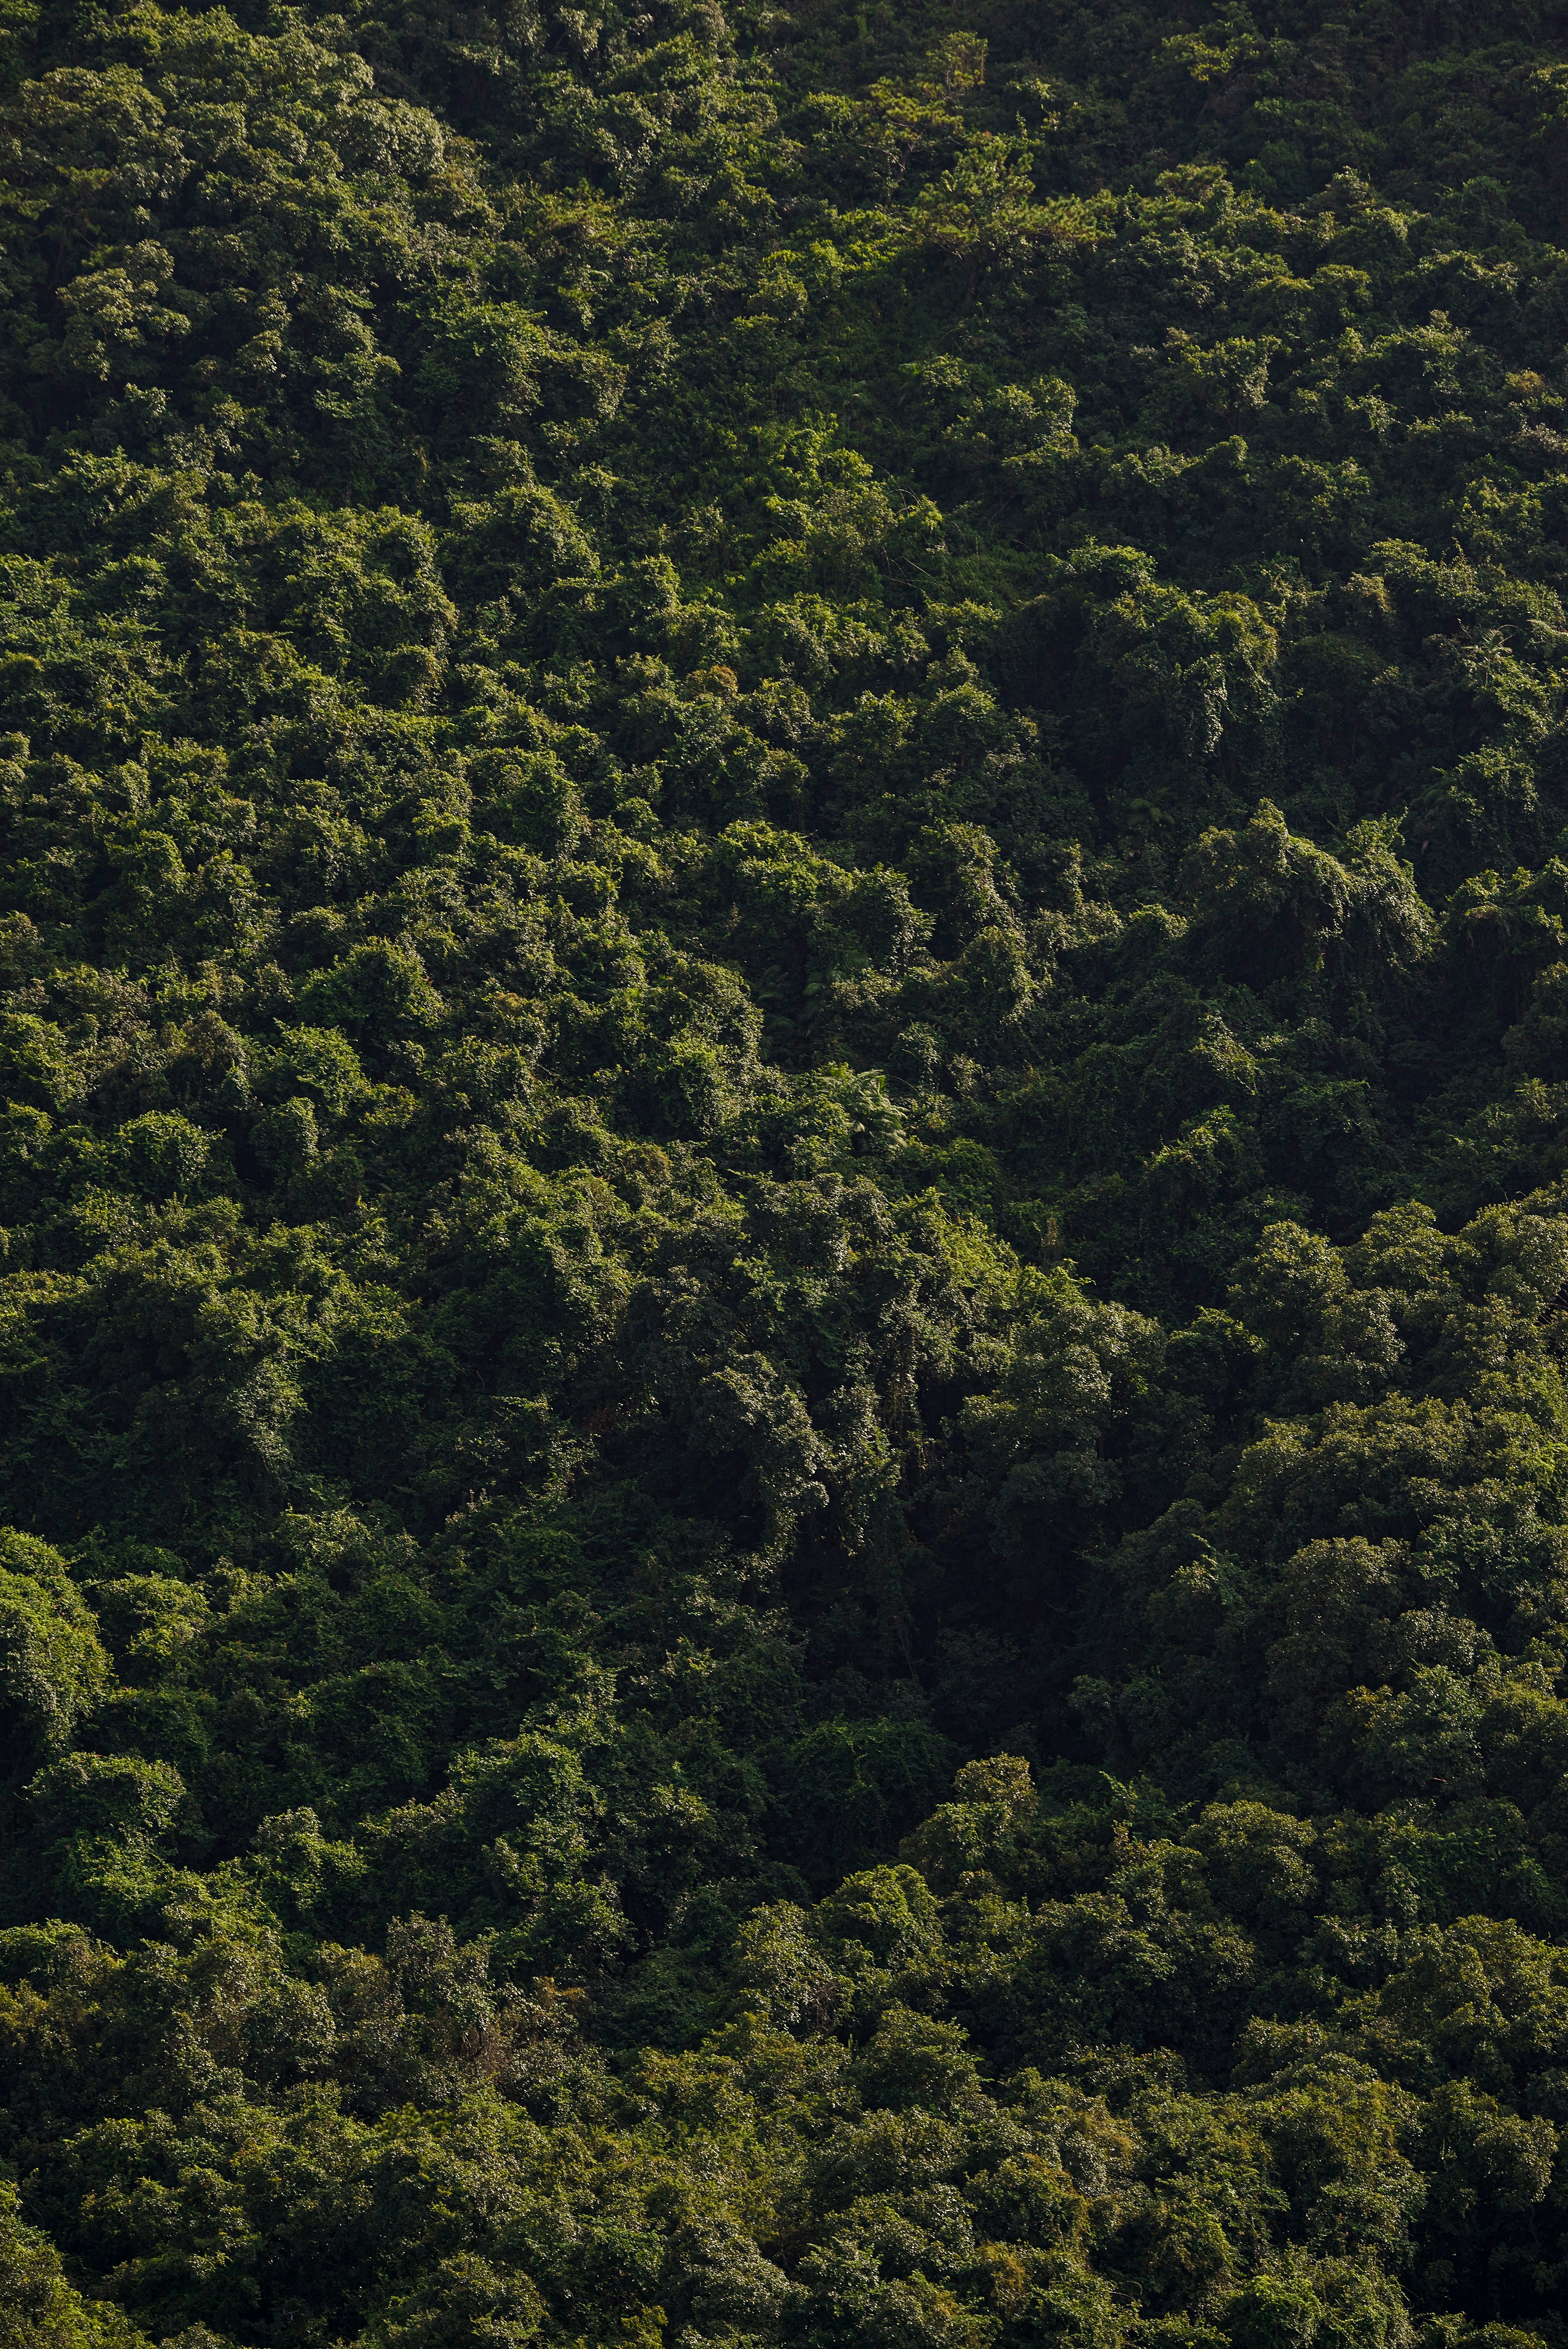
785,968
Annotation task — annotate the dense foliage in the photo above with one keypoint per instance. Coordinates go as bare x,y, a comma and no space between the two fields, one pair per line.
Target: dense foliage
785,1174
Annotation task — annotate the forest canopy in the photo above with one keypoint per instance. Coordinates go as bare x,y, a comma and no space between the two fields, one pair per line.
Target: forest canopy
783,1175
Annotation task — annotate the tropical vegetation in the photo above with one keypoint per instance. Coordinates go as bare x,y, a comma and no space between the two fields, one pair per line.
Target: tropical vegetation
783,1166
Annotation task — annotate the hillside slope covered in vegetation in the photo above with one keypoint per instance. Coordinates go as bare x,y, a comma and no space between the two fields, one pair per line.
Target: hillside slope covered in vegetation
783,1166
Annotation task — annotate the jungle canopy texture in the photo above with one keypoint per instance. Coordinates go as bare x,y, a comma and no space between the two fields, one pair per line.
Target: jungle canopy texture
783,1156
